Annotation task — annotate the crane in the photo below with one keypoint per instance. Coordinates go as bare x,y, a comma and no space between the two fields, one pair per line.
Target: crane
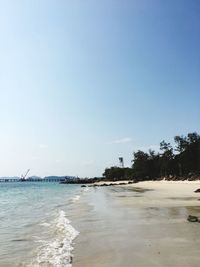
23,177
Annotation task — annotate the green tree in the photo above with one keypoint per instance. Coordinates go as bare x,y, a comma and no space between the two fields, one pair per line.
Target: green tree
115,173
140,165
166,158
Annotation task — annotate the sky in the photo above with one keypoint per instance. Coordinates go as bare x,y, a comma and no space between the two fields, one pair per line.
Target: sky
85,82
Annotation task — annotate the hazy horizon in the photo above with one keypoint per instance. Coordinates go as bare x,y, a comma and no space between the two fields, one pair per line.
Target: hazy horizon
85,82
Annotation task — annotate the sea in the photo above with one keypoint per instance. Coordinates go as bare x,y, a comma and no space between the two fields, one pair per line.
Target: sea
35,229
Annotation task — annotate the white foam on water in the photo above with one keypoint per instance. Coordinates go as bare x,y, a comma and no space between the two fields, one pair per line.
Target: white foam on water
45,224
57,252
76,198
86,189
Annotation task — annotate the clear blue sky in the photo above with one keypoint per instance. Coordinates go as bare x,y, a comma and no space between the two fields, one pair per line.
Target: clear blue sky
84,82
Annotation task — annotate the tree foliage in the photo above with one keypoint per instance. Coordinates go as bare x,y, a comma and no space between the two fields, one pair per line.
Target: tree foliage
184,160
116,173
181,161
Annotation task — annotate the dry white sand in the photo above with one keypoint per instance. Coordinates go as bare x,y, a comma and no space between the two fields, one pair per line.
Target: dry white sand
166,194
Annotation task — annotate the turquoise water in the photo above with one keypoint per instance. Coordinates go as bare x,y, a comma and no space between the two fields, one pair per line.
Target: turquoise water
34,226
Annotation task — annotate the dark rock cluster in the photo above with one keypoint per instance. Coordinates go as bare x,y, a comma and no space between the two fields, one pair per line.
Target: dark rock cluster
107,184
197,191
192,218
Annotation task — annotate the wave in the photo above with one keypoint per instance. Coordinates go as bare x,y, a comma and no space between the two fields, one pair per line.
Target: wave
45,224
86,189
76,198
57,252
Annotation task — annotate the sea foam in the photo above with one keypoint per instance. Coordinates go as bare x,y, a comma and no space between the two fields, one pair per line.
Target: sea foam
57,252
76,198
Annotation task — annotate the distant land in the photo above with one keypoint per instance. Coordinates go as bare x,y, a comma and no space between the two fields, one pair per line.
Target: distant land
37,177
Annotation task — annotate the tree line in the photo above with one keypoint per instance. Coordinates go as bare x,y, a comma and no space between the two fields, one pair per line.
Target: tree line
178,162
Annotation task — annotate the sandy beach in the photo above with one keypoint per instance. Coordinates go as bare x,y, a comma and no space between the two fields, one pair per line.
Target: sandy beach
143,224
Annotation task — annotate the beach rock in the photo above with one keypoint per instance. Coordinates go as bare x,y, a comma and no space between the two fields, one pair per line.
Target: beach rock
197,191
193,218
83,185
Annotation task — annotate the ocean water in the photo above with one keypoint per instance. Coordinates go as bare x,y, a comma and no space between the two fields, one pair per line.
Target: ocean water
35,229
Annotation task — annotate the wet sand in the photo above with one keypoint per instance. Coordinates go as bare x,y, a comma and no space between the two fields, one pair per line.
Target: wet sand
139,225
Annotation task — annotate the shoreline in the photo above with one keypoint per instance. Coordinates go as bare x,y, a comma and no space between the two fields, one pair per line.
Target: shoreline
141,223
